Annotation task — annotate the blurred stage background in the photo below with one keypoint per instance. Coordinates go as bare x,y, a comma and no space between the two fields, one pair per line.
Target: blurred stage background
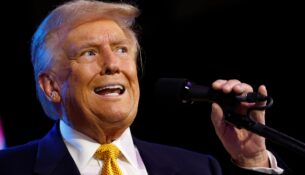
258,42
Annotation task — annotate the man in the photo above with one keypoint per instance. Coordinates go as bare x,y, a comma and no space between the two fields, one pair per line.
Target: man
84,56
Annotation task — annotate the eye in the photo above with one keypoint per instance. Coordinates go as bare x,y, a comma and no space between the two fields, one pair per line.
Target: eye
88,55
121,50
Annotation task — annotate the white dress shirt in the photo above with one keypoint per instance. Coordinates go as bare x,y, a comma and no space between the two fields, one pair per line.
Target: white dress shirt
82,149
274,169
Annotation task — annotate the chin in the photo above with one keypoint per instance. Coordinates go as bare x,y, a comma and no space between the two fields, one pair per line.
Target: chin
116,117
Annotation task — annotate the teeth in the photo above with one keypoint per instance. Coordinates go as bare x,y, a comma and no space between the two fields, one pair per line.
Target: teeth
110,90
109,87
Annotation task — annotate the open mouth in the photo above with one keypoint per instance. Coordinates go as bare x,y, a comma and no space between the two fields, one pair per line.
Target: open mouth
110,90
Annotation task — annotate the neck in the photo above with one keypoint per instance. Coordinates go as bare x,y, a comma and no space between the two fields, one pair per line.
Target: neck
98,132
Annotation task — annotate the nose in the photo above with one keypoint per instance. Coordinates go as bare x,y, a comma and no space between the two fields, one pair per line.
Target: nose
110,63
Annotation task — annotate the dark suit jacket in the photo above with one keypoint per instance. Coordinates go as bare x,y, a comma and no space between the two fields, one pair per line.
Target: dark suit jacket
49,156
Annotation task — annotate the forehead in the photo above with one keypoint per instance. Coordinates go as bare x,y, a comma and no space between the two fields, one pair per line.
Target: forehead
101,30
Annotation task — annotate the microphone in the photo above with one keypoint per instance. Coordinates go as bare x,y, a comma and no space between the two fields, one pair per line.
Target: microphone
185,91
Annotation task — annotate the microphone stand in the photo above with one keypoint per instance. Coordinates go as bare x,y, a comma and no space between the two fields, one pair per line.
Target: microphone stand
242,121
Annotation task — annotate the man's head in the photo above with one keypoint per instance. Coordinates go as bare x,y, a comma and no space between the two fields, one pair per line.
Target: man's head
84,57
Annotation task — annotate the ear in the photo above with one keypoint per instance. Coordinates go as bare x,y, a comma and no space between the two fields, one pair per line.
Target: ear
50,87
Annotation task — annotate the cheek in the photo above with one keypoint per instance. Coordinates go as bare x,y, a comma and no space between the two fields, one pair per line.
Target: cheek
77,83
79,78
132,74
83,73
131,70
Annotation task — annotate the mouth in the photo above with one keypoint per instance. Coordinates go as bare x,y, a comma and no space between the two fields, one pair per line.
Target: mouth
110,90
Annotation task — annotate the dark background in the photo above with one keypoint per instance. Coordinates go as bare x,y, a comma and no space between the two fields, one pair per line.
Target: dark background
258,42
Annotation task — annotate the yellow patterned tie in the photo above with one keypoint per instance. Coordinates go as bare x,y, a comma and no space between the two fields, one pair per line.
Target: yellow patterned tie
108,153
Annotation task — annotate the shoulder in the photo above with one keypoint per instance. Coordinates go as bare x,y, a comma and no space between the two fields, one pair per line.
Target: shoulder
18,156
19,150
167,150
175,156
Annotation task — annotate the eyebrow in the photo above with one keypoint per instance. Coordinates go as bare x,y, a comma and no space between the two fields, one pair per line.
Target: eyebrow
95,43
91,42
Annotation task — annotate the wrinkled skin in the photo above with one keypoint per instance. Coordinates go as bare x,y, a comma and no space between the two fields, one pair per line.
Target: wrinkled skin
246,149
97,54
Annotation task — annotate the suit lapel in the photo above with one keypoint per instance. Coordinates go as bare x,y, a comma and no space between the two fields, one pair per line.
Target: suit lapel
154,163
53,157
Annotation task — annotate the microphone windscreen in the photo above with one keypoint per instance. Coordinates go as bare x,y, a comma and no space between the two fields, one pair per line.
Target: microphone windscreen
170,89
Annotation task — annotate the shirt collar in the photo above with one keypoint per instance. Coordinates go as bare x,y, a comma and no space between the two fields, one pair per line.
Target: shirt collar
82,147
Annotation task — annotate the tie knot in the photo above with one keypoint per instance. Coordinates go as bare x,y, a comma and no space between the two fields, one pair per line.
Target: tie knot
107,151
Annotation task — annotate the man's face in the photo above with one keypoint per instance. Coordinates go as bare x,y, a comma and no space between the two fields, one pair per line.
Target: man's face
101,86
